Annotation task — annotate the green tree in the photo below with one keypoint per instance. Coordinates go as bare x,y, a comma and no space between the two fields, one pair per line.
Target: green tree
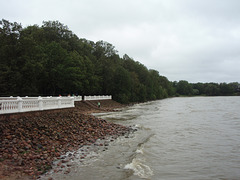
200,87
184,88
212,89
226,89
122,85
10,78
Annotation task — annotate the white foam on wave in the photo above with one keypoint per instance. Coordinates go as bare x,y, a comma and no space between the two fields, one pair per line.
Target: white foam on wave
140,169
138,126
140,151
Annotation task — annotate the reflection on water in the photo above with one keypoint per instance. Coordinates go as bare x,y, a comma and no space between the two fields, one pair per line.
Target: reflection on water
177,138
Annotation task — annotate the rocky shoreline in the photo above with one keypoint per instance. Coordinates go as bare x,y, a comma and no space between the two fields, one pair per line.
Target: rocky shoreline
29,144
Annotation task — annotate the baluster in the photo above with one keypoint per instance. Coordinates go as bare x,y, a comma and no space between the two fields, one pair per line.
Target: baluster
20,103
40,103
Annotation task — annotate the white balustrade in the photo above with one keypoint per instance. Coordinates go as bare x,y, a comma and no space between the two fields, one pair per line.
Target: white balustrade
89,98
25,104
14,105
8,106
77,98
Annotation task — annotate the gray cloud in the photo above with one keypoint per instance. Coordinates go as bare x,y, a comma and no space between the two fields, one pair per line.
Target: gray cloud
192,40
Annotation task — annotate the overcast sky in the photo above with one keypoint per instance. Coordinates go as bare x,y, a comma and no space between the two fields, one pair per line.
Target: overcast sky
193,40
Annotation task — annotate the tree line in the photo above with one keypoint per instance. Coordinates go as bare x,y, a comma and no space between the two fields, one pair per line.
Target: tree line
207,89
51,60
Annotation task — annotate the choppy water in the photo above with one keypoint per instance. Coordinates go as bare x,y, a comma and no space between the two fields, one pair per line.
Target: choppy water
177,138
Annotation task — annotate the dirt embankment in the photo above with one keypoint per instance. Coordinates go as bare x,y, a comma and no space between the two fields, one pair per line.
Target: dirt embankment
30,142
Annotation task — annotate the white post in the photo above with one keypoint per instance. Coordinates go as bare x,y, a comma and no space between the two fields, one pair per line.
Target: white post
59,102
20,102
40,103
73,102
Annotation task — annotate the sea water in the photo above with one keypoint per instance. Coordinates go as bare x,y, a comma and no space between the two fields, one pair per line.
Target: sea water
176,138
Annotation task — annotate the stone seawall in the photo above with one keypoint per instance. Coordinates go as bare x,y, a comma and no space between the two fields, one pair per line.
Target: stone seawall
84,107
31,141
31,113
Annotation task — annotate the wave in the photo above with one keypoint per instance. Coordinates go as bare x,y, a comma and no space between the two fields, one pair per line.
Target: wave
140,169
138,164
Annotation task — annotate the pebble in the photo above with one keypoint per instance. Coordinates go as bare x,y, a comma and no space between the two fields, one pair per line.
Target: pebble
67,171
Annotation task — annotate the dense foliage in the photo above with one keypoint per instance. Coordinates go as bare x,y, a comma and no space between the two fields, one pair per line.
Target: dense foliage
51,60
207,89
